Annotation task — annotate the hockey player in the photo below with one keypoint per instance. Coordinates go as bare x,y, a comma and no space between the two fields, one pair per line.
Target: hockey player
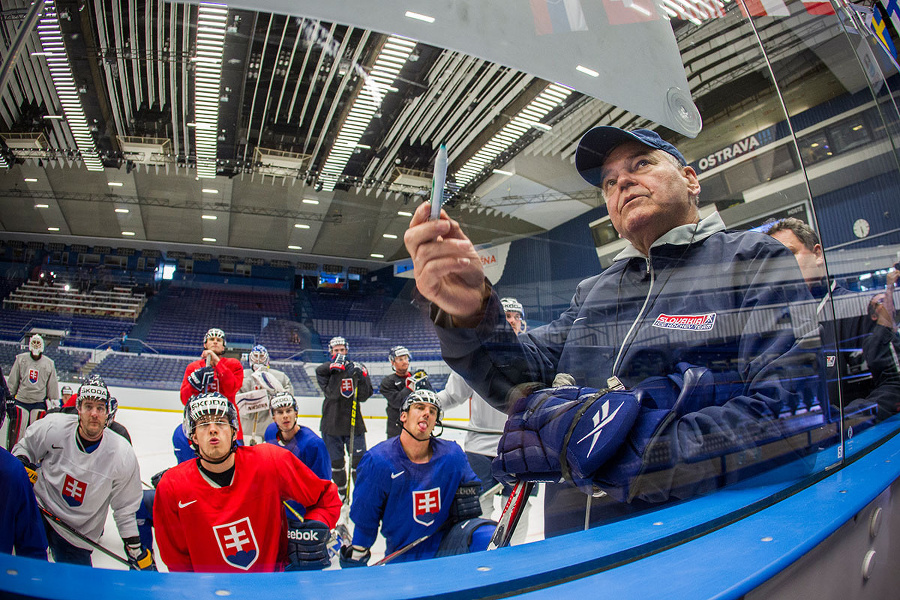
261,383
33,384
211,373
687,335
481,448
21,527
414,485
302,441
223,512
345,385
400,384
80,471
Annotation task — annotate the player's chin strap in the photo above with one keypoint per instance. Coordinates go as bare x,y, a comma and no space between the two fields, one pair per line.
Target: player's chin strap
431,435
219,461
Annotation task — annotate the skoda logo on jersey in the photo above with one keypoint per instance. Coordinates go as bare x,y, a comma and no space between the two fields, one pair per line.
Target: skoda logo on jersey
347,387
237,543
426,505
73,491
33,375
686,322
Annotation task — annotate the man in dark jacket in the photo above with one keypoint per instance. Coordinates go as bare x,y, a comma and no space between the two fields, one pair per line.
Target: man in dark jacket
345,384
396,386
690,342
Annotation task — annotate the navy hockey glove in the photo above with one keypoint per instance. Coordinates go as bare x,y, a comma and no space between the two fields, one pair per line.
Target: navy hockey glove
418,381
30,468
354,556
339,363
154,481
466,503
139,557
307,545
564,433
201,378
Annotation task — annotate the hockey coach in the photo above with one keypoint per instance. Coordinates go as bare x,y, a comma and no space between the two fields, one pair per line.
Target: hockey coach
682,351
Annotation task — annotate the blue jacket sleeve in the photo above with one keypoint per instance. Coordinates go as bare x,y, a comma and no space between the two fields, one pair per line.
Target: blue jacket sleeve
369,498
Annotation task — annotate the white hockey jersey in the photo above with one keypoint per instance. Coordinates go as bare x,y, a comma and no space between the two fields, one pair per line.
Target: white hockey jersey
271,380
32,381
483,415
79,487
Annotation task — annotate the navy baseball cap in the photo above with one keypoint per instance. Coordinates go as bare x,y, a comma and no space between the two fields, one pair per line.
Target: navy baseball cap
599,142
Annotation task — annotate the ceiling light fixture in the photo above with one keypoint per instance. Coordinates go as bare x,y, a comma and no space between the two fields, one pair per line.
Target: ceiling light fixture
380,80
123,211
404,213
53,229
301,226
587,71
502,172
310,201
115,184
376,255
209,239
60,69
419,17
209,191
389,236
30,180
209,217
58,117
42,206
549,99
295,248
210,42
127,233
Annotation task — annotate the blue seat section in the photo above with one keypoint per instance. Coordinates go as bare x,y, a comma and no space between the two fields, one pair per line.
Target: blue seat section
303,385
84,332
131,370
185,314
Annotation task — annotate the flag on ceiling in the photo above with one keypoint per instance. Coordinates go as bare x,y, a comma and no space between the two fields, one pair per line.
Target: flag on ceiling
557,16
764,8
621,12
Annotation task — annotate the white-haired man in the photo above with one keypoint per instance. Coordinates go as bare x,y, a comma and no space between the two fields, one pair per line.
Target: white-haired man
32,382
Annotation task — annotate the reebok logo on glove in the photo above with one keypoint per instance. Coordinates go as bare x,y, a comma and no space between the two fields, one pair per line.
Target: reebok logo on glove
303,535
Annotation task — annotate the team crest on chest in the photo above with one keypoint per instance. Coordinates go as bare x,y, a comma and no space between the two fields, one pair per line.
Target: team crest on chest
426,505
73,491
237,543
346,387
686,322
33,375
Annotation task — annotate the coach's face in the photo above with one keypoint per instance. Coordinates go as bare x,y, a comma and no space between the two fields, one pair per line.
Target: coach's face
647,193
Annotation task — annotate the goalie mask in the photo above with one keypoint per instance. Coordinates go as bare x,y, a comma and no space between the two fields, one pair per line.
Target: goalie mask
209,404
36,345
95,389
259,357
337,341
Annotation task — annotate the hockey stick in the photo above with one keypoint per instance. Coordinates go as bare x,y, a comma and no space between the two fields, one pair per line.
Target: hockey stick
472,429
404,549
352,438
84,538
512,512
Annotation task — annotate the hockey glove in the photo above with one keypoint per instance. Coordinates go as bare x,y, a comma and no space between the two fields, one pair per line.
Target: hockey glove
466,504
564,433
418,381
154,481
139,557
307,545
359,370
339,363
201,378
30,468
354,556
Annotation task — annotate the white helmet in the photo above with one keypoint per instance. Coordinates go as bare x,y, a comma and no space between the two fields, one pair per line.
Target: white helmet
212,403
95,389
214,332
284,400
398,351
259,357
512,305
426,397
36,345
337,341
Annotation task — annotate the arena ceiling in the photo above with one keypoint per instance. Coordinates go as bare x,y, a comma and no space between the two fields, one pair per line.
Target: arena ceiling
295,161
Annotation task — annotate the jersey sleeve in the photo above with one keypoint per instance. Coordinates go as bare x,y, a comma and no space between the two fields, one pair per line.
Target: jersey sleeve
300,484
320,461
456,392
369,499
14,377
29,538
230,375
33,445
126,494
170,539
323,375
363,388
52,383
187,390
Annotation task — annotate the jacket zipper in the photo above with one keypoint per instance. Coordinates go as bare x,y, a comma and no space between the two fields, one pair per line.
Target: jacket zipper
637,319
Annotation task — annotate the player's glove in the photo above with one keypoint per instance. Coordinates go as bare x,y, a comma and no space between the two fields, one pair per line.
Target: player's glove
307,545
359,370
466,503
564,433
201,378
418,381
339,363
139,557
154,481
354,556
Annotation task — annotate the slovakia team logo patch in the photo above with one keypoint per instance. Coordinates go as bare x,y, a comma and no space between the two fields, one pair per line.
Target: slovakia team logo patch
426,505
686,322
237,543
73,491
33,375
347,387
